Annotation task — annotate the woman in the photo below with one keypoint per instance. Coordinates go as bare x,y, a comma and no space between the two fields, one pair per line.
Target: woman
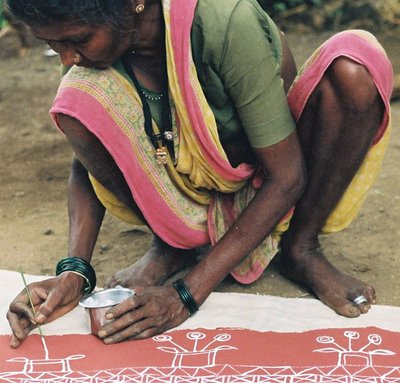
177,113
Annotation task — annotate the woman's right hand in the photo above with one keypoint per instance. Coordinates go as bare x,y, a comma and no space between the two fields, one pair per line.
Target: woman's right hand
51,298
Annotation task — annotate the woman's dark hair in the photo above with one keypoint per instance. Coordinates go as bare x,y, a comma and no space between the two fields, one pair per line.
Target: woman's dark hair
94,12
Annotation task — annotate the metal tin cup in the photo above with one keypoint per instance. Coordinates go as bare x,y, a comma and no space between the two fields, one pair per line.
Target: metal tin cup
98,303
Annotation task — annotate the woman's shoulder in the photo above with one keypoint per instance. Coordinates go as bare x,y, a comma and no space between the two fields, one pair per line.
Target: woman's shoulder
220,12
214,20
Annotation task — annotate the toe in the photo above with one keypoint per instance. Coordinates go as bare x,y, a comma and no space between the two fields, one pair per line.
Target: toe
365,308
341,305
348,309
370,295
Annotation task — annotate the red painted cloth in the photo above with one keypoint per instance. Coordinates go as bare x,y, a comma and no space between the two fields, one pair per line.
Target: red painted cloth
234,355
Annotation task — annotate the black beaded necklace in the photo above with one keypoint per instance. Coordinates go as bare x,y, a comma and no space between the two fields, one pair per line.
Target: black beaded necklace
165,139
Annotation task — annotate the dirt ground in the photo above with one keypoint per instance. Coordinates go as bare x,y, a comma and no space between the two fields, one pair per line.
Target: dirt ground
34,169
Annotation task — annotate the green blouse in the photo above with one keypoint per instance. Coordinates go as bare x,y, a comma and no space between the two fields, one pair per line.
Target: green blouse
237,52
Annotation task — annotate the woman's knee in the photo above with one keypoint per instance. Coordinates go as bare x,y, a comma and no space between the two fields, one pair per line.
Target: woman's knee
353,86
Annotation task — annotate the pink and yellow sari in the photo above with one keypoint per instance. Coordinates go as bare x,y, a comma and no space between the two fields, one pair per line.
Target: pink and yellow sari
195,201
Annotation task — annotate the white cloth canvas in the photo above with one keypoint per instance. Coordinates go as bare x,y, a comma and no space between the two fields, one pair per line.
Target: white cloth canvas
224,310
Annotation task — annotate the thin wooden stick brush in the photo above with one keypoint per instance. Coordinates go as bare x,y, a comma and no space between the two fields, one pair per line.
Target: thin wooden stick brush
46,351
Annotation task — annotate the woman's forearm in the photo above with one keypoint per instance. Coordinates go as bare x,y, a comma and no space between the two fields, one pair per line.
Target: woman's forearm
252,227
85,211
280,192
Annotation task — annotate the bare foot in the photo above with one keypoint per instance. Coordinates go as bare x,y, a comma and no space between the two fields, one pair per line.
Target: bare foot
310,268
159,263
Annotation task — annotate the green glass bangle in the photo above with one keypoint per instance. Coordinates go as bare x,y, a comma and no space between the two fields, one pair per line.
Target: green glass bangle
185,296
81,267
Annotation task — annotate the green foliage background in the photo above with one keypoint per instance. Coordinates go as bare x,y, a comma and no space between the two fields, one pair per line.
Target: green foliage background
3,21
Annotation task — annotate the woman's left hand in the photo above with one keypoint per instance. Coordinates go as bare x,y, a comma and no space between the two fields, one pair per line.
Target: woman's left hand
151,311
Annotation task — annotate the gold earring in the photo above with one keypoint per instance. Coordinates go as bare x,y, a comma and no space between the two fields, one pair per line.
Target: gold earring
139,8
77,58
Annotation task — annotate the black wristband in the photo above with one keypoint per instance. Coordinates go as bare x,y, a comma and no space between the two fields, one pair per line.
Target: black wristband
185,296
81,267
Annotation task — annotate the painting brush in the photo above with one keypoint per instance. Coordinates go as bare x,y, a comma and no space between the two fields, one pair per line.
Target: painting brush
46,351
